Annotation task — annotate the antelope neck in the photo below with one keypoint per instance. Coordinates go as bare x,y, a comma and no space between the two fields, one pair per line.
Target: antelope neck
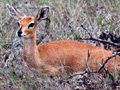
30,53
29,49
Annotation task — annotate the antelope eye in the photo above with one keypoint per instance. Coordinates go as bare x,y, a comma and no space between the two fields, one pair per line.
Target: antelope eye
18,24
31,25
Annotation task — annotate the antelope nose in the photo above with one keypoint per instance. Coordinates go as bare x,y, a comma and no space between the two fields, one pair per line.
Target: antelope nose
19,32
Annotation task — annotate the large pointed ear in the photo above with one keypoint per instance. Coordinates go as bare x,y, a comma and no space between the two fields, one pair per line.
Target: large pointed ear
15,13
42,14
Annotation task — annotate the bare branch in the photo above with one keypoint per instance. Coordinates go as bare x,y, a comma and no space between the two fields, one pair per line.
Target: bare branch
88,55
86,62
100,40
86,30
77,74
97,39
113,55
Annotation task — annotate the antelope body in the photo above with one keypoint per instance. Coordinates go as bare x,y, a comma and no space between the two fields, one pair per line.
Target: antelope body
54,57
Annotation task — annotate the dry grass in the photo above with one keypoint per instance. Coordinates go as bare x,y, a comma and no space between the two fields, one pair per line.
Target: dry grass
66,18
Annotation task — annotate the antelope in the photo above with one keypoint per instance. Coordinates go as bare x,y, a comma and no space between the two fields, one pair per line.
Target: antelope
55,57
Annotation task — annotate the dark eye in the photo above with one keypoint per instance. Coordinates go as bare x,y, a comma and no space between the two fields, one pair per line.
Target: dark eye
30,25
18,24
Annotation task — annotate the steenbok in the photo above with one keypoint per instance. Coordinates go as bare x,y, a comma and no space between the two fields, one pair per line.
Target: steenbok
54,57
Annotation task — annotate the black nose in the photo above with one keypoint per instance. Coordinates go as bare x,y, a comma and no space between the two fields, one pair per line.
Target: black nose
19,32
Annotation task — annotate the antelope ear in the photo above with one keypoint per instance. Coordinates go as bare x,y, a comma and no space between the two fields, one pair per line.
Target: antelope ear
42,14
15,13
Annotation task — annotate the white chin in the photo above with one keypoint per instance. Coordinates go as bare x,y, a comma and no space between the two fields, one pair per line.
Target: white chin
25,36
22,35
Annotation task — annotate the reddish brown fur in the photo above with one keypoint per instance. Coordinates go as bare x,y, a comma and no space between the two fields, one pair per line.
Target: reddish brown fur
66,55
54,57
24,22
73,54
51,57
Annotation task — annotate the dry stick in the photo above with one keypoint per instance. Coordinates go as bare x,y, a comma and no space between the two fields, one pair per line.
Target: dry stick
86,30
111,76
82,73
77,74
88,55
87,62
100,40
86,71
113,55
114,83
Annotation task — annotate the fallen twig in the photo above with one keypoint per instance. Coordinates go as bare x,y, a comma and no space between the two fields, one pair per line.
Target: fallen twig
82,73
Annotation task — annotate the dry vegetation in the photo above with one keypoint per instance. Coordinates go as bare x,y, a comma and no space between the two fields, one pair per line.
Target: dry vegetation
66,18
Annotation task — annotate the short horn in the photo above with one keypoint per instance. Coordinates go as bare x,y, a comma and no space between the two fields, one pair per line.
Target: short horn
14,12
